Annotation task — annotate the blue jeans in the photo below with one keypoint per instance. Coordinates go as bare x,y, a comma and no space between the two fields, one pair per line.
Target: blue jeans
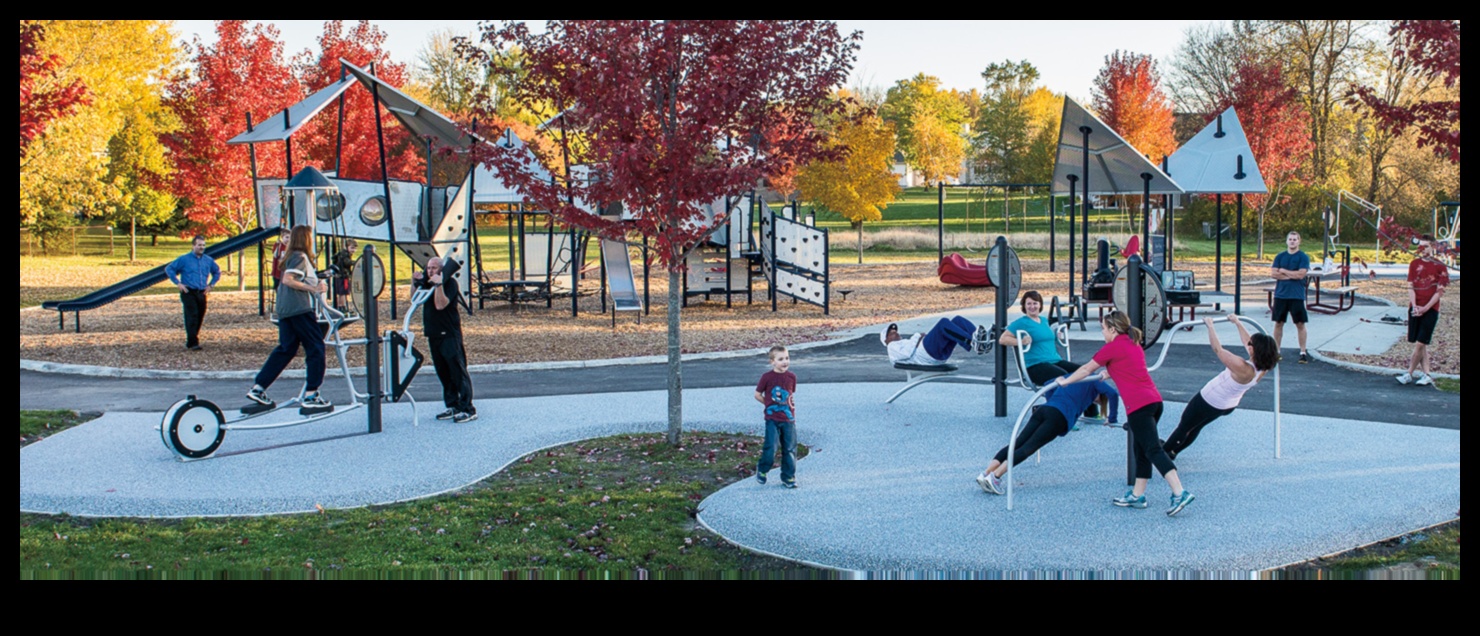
946,335
788,433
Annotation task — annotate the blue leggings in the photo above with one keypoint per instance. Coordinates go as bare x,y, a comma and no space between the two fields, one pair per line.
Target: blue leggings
946,335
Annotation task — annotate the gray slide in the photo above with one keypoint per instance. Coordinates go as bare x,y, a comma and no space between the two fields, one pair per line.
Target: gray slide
620,283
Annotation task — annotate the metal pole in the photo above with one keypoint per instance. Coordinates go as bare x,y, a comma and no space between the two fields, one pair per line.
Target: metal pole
1146,216
1053,202
1084,272
940,223
1218,241
257,205
1073,208
1238,260
385,181
999,354
1134,286
372,342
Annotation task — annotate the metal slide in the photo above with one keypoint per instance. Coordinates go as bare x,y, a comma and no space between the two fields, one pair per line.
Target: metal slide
621,285
154,276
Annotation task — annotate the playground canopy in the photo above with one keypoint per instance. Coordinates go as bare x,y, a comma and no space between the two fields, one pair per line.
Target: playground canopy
1115,167
281,128
1218,160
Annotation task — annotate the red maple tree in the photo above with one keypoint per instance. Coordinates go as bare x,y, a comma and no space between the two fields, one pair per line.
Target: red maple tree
1275,122
318,143
1433,46
242,72
40,105
655,103
1129,98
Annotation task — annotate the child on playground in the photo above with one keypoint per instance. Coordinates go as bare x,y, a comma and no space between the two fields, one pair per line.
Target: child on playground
776,390
1061,406
1223,393
1125,361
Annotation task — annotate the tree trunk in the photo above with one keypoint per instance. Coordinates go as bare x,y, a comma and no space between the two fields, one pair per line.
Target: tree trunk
675,360
241,280
859,224
133,240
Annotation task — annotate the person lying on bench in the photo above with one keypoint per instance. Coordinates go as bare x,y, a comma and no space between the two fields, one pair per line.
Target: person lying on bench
934,347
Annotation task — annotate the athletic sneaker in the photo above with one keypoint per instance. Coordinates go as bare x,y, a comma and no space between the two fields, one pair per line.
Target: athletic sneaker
1130,500
1406,378
447,414
789,484
1179,502
1424,379
989,482
316,401
1090,419
259,395
463,418
760,478
1304,358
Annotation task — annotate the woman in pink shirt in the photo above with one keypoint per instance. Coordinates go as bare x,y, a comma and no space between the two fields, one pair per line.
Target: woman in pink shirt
1125,361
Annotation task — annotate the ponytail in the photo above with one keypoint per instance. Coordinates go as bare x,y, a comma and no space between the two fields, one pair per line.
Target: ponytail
1121,323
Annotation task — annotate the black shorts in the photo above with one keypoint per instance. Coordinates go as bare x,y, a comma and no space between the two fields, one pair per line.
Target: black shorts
1421,328
1292,307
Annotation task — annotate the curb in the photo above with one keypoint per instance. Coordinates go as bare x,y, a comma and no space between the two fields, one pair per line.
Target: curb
334,371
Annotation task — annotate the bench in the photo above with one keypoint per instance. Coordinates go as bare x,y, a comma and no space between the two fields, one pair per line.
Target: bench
930,373
1346,298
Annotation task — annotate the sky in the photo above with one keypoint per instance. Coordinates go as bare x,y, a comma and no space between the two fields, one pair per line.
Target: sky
1067,53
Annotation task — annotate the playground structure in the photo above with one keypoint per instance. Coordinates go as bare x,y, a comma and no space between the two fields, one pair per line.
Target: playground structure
194,428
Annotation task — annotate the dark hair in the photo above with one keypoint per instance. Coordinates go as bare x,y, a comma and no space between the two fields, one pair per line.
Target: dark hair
1030,295
1266,351
199,237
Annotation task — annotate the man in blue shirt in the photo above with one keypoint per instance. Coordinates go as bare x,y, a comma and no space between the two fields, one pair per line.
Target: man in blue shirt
195,274
1289,270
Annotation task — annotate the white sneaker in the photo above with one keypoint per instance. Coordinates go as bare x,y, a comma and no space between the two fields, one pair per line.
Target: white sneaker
1424,379
989,482
1405,378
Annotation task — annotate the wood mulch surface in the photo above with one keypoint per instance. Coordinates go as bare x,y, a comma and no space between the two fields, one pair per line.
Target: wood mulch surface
146,332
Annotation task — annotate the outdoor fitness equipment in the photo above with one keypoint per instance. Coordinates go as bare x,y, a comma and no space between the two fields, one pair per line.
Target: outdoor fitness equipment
194,428
1175,329
1139,294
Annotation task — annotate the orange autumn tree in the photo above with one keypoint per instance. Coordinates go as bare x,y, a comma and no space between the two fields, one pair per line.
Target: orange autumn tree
1129,98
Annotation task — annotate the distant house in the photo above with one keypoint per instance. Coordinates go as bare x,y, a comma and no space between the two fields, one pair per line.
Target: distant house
911,178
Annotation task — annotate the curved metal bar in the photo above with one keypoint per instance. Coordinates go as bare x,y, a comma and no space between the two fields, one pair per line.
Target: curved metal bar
931,376
1185,327
304,420
1027,408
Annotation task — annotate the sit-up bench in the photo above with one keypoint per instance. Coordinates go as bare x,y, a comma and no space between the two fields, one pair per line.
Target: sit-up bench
930,373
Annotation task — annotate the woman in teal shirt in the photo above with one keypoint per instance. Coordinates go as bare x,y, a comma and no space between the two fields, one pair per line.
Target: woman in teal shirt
1042,357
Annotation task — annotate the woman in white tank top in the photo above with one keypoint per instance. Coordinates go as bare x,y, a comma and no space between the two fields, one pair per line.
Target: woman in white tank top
1222,393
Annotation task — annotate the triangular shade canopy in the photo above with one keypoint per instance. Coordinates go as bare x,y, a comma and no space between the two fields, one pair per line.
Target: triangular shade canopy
417,118
488,187
276,129
1209,163
1114,166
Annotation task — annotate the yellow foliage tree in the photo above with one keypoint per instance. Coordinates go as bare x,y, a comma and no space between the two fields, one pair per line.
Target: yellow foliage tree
940,150
123,64
860,184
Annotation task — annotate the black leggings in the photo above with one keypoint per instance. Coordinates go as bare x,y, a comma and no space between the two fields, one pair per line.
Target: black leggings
1198,414
1047,423
1142,423
1045,372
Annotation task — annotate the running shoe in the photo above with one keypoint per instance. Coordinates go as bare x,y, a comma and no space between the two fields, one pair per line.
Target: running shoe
447,414
1130,500
1424,379
760,478
259,395
1179,502
1304,359
1406,378
464,417
989,482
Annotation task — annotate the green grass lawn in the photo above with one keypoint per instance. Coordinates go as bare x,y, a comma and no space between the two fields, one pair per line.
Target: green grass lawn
613,506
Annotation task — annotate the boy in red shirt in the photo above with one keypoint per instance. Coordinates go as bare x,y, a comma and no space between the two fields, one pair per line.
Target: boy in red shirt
1427,279
776,390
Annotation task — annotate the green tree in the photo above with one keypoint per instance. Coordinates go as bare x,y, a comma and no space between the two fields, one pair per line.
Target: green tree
140,170
1005,131
123,64
859,185
923,115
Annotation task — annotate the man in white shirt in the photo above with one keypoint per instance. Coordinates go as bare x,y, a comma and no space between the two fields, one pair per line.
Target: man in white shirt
933,348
